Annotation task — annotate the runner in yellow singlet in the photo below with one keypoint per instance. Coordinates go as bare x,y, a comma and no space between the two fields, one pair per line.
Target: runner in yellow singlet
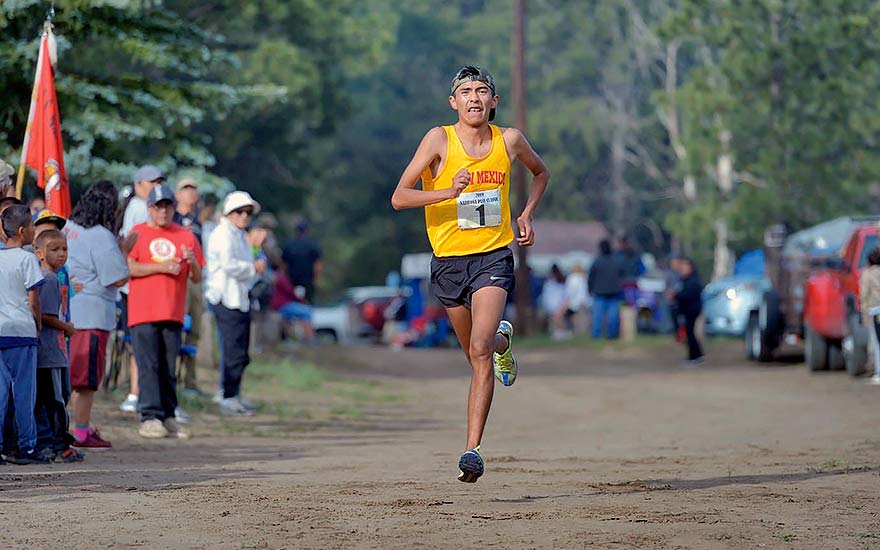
465,175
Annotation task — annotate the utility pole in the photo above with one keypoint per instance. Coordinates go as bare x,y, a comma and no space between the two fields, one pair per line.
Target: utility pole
524,311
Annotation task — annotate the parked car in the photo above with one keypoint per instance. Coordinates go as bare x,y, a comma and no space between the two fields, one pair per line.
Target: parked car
727,303
359,316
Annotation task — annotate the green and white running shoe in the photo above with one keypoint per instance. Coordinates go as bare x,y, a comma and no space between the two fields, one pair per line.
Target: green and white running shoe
505,363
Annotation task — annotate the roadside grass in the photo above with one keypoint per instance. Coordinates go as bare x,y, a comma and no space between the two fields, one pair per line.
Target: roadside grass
296,391
290,396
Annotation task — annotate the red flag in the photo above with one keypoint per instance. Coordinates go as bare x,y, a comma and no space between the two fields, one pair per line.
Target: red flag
42,149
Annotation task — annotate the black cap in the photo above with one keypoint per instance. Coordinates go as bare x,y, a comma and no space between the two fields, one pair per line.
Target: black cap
469,73
161,193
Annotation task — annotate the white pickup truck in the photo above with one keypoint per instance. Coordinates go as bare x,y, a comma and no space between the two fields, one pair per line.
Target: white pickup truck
345,322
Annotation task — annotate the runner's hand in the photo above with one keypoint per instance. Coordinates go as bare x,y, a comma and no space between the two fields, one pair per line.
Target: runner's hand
526,233
69,330
461,180
127,243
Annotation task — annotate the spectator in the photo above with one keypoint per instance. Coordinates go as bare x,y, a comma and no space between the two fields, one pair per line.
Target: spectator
162,260
97,261
289,301
552,298
187,216
136,212
606,287
20,279
50,412
36,204
576,298
302,255
231,267
690,305
869,300
672,283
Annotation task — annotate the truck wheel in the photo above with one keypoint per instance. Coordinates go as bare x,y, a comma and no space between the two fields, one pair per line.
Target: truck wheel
757,342
835,356
815,349
855,349
770,320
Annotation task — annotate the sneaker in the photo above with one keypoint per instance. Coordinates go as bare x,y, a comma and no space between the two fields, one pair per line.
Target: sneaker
504,362
68,455
247,403
93,441
874,380
153,429
175,430
470,465
232,406
182,416
24,459
217,397
130,405
695,362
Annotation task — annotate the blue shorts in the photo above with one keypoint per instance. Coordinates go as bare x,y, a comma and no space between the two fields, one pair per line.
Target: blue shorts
295,310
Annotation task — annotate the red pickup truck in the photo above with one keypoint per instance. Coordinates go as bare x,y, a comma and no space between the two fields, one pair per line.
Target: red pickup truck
815,297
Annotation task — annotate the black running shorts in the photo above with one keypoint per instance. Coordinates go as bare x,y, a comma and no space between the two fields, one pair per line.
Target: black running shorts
455,278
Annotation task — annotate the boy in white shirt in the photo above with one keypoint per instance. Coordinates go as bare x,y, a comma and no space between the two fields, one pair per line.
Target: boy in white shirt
20,279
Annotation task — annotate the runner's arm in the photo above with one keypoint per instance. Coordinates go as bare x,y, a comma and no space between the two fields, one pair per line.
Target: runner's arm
406,195
521,149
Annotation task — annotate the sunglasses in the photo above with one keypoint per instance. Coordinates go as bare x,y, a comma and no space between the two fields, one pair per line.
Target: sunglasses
243,211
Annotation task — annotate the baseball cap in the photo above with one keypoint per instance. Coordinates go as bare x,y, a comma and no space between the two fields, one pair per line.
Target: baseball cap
160,193
47,216
239,199
187,182
148,172
470,73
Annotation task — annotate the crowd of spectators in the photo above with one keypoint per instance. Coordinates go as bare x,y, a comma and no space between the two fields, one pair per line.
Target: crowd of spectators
142,267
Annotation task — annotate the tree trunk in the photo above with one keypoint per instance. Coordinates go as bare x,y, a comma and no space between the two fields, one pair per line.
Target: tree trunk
619,190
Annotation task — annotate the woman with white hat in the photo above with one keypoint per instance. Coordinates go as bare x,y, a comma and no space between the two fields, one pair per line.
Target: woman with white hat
231,267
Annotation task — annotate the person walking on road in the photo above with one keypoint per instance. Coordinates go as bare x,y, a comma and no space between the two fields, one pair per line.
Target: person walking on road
869,300
465,173
690,305
606,287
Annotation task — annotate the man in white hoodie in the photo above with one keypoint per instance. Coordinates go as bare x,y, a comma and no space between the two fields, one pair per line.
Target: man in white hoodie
231,267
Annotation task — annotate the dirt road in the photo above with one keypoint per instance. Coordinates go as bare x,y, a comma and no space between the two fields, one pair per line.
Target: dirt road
614,448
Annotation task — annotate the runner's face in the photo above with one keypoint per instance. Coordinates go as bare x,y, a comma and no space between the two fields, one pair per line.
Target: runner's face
162,213
473,101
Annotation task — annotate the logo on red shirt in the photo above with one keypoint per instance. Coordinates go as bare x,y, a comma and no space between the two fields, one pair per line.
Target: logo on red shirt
162,250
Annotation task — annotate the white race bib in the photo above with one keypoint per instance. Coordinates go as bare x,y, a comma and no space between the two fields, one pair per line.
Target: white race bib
479,209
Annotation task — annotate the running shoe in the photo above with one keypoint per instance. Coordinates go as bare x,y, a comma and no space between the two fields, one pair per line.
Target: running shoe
505,362
874,380
24,459
470,465
130,405
93,441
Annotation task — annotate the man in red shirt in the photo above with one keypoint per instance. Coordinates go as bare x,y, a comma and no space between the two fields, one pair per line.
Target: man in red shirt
164,256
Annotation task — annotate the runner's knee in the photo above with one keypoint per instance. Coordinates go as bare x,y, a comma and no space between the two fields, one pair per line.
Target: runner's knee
482,348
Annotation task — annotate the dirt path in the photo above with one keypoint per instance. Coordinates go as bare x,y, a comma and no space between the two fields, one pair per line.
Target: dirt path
591,449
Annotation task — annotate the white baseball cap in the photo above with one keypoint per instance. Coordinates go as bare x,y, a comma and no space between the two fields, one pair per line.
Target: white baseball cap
239,199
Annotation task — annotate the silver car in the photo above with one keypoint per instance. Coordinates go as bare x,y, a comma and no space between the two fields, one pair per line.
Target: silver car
727,303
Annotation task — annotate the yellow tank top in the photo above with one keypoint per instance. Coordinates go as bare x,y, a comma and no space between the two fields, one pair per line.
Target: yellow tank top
479,220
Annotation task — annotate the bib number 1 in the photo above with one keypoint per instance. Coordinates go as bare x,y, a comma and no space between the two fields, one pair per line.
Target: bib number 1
479,209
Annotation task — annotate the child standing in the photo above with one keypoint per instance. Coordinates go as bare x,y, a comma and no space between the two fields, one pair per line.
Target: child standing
50,413
20,279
